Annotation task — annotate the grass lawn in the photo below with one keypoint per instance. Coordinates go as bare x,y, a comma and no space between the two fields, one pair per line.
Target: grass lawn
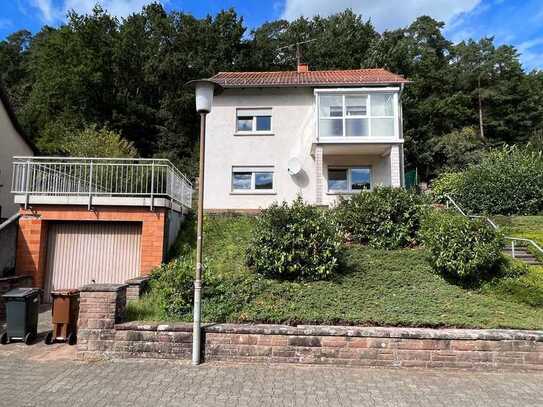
529,227
375,287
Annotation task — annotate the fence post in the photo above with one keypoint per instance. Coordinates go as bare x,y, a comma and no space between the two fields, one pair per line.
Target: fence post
27,182
90,186
512,248
152,183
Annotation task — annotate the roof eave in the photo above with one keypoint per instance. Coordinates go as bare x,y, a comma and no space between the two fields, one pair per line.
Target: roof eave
311,85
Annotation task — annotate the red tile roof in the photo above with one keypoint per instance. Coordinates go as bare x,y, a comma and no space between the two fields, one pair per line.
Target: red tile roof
352,77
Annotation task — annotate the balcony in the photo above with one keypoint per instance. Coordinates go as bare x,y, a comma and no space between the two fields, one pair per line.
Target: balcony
351,118
100,181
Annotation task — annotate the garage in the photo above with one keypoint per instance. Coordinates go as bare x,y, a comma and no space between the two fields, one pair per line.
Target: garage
80,253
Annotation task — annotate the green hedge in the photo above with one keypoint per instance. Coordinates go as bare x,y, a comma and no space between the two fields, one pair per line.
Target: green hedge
460,248
507,181
295,242
386,218
171,286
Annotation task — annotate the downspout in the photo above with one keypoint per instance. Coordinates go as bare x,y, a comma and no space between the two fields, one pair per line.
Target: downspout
402,162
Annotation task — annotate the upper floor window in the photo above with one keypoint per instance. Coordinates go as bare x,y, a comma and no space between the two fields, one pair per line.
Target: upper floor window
253,120
356,115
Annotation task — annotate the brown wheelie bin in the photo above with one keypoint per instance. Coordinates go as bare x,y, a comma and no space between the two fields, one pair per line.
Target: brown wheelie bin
65,312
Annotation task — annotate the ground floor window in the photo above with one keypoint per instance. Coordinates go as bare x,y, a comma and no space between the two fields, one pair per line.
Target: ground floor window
259,179
352,179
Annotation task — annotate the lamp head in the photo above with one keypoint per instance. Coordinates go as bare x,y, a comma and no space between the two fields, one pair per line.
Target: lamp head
205,89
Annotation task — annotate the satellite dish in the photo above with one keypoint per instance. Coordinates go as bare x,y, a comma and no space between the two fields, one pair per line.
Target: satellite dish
294,166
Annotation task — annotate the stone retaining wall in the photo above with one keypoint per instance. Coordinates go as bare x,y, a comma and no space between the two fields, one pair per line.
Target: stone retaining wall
347,346
137,287
367,346
9,283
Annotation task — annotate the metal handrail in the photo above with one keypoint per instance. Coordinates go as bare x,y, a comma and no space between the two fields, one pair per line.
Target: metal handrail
9,220
82,176
496,227
111,160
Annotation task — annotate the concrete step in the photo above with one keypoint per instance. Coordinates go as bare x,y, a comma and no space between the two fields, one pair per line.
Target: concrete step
523,255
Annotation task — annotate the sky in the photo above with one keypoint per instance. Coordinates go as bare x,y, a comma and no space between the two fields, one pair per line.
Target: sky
516,22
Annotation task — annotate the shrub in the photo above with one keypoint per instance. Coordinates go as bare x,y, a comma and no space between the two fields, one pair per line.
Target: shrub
458,149
294,242
448,183
98,142
507,181
386,218
460,248
172,287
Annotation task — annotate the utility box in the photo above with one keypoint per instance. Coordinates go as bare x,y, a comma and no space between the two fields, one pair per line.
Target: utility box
22,308
65,312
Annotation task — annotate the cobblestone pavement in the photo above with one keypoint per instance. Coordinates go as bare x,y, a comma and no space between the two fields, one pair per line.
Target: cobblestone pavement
27,381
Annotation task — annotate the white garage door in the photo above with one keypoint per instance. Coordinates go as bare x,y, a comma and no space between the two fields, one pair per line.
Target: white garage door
79,253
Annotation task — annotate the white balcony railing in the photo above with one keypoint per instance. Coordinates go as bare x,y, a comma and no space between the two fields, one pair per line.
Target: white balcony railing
100,177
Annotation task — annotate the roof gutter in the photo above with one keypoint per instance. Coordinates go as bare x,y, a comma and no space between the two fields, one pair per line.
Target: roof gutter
226,85
402,157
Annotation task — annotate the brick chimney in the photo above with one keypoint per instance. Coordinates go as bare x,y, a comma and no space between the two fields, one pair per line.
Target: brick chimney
303,67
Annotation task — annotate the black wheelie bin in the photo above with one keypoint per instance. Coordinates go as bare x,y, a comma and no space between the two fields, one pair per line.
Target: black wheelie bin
22,307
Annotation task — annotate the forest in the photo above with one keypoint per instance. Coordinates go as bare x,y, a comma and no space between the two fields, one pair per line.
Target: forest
124,78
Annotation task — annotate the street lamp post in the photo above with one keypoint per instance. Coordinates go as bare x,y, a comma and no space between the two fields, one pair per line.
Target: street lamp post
205,90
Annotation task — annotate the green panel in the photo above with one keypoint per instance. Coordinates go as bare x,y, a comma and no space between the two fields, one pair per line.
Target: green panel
411,180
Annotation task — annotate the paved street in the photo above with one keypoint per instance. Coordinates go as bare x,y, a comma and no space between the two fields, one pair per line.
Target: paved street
41,375
47,381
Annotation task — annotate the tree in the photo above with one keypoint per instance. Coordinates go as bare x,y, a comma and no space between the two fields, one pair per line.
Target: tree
456,150
14,74
128,75
95,142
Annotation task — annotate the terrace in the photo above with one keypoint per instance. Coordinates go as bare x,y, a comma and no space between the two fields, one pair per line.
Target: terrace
100,182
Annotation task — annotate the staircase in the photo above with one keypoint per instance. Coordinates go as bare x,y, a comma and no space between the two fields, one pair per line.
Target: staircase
517,246
522,254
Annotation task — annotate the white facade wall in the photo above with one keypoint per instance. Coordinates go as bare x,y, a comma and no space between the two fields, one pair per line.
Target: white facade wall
11,144
380,166
293,134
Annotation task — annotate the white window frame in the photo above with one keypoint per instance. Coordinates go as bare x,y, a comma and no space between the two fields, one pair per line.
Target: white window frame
366,92
253,170
349,189
253,131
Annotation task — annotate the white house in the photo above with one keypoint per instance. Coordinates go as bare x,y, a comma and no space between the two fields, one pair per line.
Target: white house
272,136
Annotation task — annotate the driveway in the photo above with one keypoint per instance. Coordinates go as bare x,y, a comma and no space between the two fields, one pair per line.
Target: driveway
41,375
39,350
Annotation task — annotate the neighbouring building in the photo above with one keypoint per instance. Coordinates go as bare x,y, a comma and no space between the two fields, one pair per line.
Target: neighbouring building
272,136
101,220
13,141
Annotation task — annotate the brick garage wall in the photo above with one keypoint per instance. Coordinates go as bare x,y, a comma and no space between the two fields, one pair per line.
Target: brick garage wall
333,345
9,283
32,237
